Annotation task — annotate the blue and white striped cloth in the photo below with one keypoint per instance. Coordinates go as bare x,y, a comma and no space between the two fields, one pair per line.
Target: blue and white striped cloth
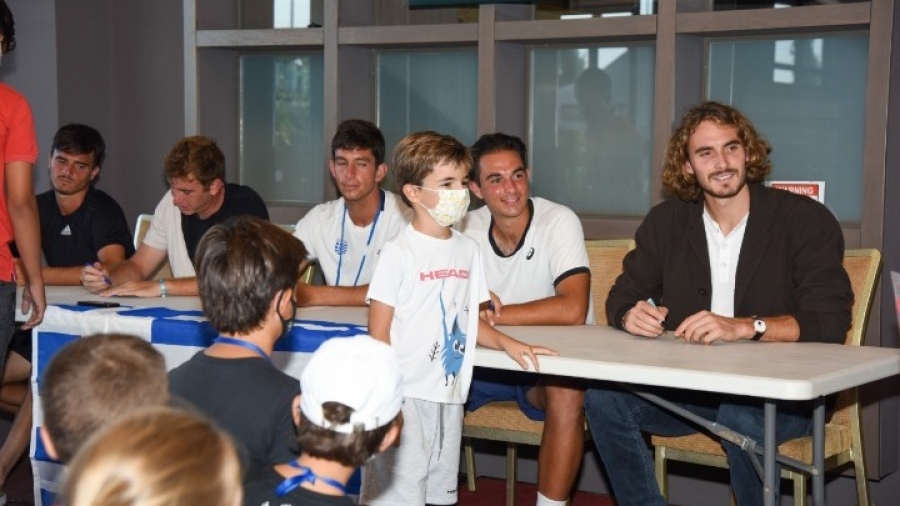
177,334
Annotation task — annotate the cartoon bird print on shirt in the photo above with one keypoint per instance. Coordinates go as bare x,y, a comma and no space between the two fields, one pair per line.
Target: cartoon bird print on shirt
454,347
453,352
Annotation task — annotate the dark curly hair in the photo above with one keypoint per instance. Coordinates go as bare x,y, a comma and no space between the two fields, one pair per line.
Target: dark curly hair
684,185
7,28
351,450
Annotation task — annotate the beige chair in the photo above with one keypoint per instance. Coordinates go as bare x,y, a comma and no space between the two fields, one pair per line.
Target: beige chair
843,433
308,274
141,226
504,421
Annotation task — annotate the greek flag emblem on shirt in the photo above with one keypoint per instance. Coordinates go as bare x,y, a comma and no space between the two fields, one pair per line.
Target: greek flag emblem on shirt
340,247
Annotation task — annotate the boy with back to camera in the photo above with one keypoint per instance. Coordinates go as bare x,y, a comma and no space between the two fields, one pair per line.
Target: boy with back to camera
424,299
246,271
349,411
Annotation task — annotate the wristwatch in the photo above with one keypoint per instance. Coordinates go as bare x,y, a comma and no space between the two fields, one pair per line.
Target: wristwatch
760,327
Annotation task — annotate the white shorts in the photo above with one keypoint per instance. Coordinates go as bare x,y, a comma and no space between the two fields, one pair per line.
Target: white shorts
424,468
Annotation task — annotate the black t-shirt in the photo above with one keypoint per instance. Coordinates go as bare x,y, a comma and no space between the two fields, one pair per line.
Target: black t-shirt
73,240
262,492
249,398
239,200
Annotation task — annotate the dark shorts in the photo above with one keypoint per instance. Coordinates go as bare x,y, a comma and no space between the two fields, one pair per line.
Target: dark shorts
21,342
490,385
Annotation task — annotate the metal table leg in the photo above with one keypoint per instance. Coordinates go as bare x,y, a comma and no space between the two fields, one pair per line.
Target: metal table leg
818,474
769,455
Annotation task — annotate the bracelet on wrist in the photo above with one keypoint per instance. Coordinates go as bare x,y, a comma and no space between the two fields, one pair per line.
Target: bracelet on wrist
624,318
162,288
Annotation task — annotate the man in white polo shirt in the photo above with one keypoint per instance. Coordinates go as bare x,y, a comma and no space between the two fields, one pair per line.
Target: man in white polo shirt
345,235
536,264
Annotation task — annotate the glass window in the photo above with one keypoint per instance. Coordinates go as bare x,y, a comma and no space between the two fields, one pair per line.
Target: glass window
291,14
411,12
591,127
730,5
577,9
807,96
281,127
256,14
428,90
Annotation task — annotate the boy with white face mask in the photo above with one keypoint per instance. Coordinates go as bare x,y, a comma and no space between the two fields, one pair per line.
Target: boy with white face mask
424,300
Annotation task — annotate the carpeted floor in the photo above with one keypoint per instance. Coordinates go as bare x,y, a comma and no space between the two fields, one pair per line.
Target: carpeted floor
492,492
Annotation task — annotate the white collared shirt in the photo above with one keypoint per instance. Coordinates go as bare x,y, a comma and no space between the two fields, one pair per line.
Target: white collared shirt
724,252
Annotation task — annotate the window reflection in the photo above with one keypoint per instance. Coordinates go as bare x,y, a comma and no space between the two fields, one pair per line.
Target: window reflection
428,90
281,127
591,124
807,96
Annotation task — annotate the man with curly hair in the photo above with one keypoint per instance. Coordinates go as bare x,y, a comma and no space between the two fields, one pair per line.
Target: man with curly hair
728,259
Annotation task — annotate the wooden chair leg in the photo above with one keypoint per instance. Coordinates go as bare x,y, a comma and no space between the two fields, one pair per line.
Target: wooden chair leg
859,464
800,489
511,474
659,462
470,463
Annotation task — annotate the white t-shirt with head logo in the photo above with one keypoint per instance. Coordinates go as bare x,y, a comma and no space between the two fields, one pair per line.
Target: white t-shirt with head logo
435,287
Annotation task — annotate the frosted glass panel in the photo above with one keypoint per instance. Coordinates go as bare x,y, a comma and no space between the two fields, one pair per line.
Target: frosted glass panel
282,144
807,96
591,124
427,90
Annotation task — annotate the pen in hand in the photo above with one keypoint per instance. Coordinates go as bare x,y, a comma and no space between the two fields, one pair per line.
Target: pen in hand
105,277
652,303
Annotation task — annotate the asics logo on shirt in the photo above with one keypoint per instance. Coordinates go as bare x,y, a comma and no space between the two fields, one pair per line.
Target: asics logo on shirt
530,254
443,273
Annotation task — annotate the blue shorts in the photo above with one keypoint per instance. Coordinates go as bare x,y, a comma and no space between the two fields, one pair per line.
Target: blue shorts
490,385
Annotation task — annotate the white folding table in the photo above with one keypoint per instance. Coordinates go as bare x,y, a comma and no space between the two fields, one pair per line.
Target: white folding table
772,371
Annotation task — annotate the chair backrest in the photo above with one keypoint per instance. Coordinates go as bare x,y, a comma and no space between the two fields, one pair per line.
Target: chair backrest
863,267
141,226
605,258
309,273
287,227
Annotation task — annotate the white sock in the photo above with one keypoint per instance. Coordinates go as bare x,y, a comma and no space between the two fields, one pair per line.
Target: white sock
542,500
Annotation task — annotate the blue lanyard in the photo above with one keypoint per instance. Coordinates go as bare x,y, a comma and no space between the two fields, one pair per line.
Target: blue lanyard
244,344
306,476
341,250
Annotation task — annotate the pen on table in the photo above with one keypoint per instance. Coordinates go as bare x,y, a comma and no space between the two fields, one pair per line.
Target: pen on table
105,278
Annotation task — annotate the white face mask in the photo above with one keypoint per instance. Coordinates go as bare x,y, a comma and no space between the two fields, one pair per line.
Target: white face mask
451,207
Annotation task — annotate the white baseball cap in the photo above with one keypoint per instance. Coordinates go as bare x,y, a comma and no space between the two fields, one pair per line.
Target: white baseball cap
359,372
